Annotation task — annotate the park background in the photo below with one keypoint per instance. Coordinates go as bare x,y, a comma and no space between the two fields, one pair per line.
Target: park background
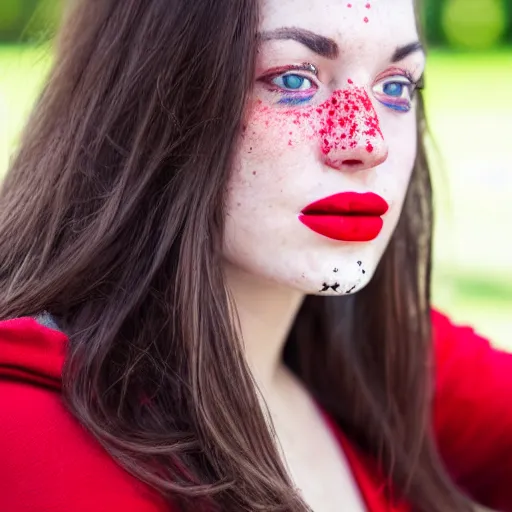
469,106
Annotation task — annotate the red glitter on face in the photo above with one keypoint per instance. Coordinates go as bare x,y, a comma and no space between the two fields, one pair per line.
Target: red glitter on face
350,122
368,6
350,81
366,20
345,126
349,5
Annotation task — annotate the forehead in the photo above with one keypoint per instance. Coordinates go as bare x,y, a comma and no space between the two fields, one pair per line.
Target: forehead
356,25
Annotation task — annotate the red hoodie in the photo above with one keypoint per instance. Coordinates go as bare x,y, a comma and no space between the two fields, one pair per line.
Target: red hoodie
49,463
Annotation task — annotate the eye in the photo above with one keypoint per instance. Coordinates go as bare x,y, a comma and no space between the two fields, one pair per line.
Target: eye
289,87
293,82
395,92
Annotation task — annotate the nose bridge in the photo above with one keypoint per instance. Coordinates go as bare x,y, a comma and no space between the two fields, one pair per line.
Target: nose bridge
350,136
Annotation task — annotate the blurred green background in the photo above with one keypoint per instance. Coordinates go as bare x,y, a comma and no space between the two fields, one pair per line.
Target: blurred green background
469,105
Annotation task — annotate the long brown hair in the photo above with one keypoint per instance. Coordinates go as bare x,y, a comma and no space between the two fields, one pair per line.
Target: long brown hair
111,219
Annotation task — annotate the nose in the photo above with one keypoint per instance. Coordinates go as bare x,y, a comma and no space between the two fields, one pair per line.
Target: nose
350,134
362,154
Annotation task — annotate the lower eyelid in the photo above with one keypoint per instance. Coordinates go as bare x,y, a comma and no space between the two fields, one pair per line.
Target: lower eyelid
395,103
290,100
291,97
398,107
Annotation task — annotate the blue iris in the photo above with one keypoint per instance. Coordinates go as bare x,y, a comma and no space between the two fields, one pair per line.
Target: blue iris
293,81
394,89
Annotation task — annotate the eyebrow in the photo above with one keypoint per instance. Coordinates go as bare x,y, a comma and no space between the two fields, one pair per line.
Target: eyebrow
404,51
321,45
326,47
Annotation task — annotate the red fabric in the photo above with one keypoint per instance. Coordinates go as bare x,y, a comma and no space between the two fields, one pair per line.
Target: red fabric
473,413
49,463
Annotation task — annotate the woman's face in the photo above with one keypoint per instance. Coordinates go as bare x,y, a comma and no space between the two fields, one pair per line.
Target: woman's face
328,144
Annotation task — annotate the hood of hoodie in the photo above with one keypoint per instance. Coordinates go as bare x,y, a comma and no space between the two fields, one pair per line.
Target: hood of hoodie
32,350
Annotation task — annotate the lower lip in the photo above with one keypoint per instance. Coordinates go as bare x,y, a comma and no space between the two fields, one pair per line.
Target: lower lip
346,228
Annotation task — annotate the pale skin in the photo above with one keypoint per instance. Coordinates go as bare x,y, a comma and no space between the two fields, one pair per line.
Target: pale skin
271,259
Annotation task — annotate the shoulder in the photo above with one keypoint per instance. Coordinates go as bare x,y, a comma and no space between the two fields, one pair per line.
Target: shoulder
460,349
31,352
472,378
455,342
444,329
49,462
472,413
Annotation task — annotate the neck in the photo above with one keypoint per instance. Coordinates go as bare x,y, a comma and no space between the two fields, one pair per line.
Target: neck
266,312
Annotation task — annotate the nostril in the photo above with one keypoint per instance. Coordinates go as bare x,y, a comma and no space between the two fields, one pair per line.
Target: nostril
351,162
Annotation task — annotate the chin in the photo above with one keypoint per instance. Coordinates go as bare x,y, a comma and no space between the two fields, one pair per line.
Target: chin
319,268
328,279
341,285
336,271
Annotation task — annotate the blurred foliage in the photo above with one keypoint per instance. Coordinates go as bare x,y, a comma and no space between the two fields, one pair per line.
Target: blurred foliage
464,24
28,20
468,24
474,24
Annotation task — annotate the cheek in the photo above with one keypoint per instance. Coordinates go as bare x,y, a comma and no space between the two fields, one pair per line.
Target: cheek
393,177
402,141
272,149
271,133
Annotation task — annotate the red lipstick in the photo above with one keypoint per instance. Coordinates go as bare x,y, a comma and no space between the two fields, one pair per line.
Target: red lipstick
349,216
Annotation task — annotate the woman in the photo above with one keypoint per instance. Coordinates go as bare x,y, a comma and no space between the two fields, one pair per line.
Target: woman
200,193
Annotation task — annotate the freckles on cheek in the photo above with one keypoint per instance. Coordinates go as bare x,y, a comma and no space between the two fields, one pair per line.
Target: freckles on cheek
272,129
344,121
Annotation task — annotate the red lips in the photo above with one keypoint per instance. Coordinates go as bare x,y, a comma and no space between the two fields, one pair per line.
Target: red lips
348,217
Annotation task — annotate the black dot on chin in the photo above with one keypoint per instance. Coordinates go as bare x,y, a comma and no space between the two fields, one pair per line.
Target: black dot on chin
359,263
363,271
335,270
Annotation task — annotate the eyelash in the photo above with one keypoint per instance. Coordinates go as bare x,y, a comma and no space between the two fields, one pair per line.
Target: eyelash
398,104
291,98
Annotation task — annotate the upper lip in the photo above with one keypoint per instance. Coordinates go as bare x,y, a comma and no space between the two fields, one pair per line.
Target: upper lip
348,203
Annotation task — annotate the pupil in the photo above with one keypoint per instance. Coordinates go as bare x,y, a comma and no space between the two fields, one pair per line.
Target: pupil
293,81
393,89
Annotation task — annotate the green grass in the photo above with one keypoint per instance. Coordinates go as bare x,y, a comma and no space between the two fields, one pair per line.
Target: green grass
470,114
